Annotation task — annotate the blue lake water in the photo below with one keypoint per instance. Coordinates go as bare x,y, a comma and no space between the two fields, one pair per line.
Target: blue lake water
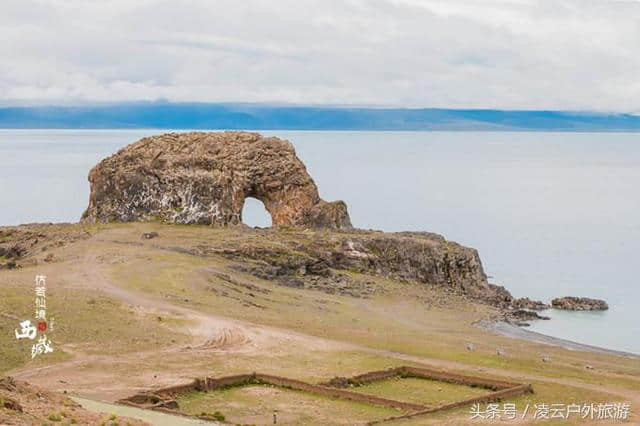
552,214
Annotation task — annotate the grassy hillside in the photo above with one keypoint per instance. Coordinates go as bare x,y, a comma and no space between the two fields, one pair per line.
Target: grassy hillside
135,314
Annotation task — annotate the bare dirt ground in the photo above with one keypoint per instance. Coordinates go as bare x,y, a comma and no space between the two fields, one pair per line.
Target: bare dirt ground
298,333
29,404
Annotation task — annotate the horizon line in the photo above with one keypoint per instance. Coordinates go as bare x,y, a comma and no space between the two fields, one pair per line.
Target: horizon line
161,102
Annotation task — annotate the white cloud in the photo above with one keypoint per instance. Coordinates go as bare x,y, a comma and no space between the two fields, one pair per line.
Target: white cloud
530,54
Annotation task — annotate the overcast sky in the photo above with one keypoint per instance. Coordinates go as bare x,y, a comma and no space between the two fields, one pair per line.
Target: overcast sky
524,54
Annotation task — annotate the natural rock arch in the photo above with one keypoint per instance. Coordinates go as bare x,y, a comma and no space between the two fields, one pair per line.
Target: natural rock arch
204,178
255,214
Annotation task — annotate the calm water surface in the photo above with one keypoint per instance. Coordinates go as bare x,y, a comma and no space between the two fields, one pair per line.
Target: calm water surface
552,214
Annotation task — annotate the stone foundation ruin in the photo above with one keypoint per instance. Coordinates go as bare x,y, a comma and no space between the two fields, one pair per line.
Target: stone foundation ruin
164,399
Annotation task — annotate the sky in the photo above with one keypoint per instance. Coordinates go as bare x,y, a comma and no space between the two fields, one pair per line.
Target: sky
502,54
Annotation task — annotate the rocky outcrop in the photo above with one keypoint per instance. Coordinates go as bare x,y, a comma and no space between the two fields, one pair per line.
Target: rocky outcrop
520,316
320,261
204,178
579,304
24,404
526,303
422,257
524,309
26,245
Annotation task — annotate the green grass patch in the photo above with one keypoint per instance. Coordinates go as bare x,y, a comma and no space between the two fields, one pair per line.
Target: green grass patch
421,391
256,404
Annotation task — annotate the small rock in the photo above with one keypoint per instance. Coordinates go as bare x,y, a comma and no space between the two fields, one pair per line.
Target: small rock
9,265
149,235
526,303
471,347
588,367
10,404
546,359
570,303
519,317
171,404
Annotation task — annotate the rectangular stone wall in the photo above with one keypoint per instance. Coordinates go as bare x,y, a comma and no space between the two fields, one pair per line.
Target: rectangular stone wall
336,393
460,379
492,397
501,389
425,373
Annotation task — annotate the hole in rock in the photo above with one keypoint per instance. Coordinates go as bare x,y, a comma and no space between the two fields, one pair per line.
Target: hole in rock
254,213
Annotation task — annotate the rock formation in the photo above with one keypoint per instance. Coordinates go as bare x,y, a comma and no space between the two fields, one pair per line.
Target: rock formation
204,178
579,304
532,305
318,261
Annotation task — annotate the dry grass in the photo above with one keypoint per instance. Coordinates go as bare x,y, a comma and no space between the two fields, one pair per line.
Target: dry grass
85,321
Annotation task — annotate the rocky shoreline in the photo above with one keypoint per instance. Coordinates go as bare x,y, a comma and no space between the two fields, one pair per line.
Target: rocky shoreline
510,330
520,311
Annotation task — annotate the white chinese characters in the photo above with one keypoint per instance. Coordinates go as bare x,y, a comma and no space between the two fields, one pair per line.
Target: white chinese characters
42,347
30,331
41,303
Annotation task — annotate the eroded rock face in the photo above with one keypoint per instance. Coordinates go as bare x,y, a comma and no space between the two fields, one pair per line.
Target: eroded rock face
318,261
204,178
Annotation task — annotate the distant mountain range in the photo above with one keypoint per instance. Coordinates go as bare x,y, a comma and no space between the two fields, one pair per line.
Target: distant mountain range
267,117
